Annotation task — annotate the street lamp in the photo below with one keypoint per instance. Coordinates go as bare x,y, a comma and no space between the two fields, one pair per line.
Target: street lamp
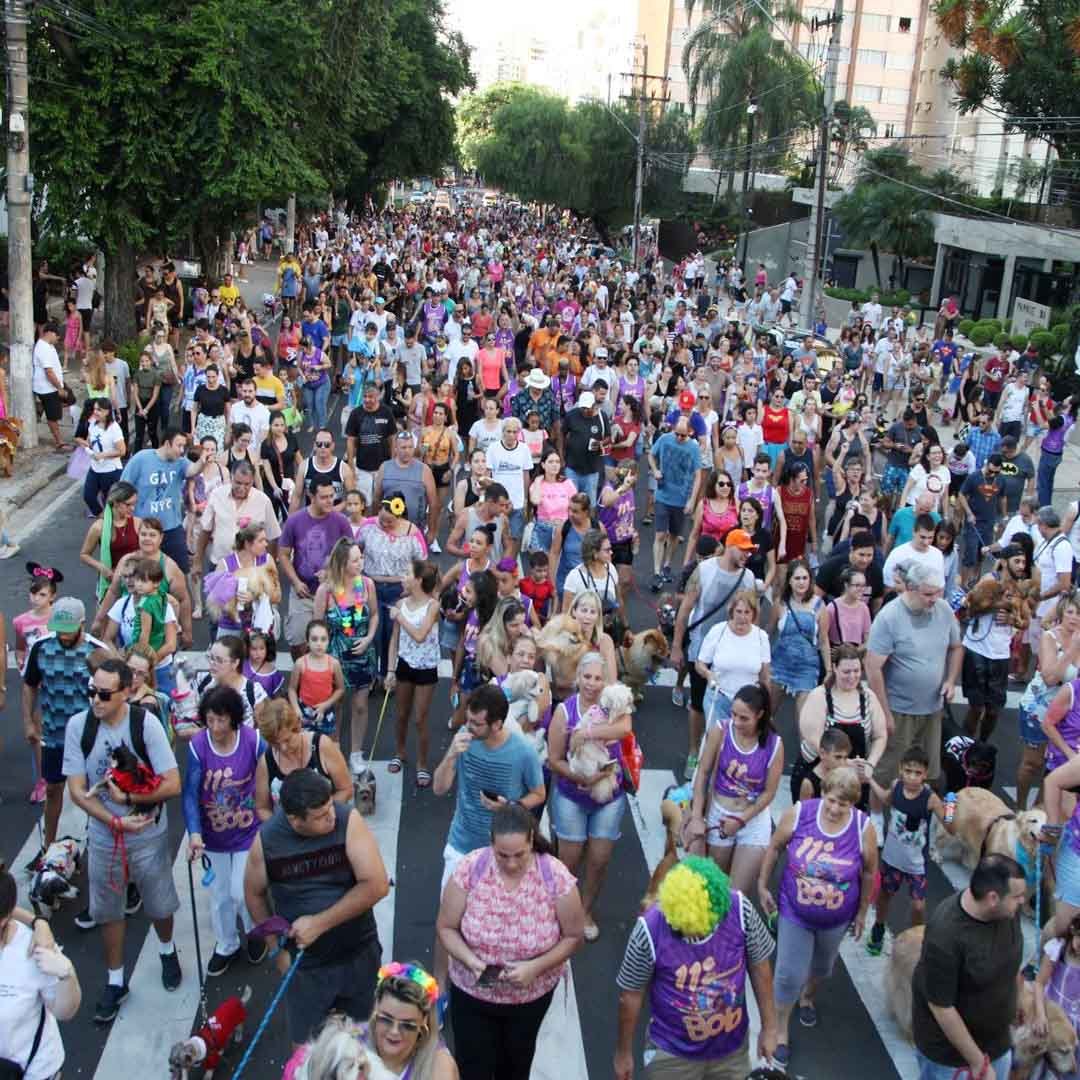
751,112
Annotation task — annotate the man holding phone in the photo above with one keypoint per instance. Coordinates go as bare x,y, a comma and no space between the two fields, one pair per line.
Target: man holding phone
492,765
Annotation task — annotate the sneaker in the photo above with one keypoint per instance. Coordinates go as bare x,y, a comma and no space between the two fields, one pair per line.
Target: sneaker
255,950
109,1003
666,574
219,964
170,971
8,551
357,765
85,921
37,792
677,696
808,1016
435,549
657,582
133,901
781,1057
877,939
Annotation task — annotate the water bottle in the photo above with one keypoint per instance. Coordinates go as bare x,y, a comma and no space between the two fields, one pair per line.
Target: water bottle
950,807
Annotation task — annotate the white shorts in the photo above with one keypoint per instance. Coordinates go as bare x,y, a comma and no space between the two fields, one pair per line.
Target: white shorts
451,858
365,484
757,832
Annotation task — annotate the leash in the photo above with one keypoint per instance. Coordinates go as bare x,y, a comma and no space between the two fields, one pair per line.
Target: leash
378,726
198,944
119,847
274,1001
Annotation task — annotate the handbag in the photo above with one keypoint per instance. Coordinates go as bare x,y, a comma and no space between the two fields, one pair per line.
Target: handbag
79,463
632,762
12,1070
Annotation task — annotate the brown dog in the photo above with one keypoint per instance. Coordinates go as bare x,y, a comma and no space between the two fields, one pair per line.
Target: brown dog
1015,599
640,656
984,825
562,645
10,433
1058,1045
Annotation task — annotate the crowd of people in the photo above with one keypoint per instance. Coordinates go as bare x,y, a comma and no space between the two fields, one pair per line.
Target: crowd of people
517,407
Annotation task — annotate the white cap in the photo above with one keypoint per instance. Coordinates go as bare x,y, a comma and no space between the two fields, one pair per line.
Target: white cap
587,400
601,352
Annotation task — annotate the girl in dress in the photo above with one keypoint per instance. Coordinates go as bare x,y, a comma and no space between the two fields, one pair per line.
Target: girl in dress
72,333
1059,981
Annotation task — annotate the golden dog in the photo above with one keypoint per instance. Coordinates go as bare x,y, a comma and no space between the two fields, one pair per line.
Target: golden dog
562,645
1058,1045
640,657
984,825
10,433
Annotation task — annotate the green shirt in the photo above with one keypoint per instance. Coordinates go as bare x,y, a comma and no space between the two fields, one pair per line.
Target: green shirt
154,606
145,381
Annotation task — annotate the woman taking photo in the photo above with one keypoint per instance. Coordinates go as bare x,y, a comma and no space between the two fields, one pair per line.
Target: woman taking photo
734,654
220,817
290,747
231,601
734,785
616,515
113,535
510,919
414,664
452,585
820,901
844,702
281,459
796,650
550,494
845,620
716,514
469,490
577,818
346,601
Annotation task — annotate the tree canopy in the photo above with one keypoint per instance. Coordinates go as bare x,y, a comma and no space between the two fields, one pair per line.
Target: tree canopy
147,128
538,146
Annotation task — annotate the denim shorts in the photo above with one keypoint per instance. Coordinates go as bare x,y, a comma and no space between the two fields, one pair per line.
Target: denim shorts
1031,732
575,823
543,533
717,708
517,524
1067,880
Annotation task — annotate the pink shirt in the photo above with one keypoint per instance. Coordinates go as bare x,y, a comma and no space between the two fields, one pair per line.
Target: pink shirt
503,926
555,500
28,628
491,363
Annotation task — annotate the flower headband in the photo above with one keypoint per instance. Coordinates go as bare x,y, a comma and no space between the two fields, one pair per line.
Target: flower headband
414,973
396,505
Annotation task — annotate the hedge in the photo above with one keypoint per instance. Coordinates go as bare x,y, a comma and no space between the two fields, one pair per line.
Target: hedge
1001,340
1018,341
1045,342
130,351
981,335
896,298
1060,332
993,325
965,326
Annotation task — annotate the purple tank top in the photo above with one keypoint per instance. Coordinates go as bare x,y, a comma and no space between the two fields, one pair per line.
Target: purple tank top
513,387
1069,729
820,887
741,775
764,497
618,518
1064,988
568,787
227,791
472,634
698,993
466,573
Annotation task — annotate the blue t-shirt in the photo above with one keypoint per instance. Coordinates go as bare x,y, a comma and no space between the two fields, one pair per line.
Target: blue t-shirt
512,771
160,485
318,331
679,463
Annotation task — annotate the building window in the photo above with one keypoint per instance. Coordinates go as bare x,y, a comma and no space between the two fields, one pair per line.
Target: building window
889,130
905,25
870,56
875,22
892,95
900,61
864,92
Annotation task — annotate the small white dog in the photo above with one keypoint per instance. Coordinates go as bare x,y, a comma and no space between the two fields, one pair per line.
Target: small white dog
522,689
591,756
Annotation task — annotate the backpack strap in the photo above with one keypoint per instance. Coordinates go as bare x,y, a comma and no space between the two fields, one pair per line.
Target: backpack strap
137,720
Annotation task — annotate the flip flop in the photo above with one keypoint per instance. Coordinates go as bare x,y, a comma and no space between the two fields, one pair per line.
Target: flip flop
423,778
395,765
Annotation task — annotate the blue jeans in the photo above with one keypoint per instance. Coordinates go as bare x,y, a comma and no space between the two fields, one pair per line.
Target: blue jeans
96,488
1044,476
388,593
588,483
315,399
164,405
931,1070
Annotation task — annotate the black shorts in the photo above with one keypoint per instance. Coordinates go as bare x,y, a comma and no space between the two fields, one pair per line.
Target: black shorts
417,676
622,553
956,483
51,405
785,306
984,681
174,318
87,315
440,474
698,686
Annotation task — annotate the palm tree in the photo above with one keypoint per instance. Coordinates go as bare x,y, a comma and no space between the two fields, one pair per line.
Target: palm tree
733,58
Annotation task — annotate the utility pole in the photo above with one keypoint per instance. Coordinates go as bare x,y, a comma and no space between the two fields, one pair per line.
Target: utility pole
640,97
20,192
290,224
751,111
814,260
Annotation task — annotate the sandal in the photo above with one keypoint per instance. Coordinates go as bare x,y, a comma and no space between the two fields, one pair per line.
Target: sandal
423,778
395,766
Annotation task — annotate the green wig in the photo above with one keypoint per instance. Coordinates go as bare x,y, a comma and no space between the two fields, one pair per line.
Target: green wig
694,896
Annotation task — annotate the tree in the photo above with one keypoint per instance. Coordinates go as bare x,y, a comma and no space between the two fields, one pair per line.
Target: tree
1022,61
882,212
849,131
733,58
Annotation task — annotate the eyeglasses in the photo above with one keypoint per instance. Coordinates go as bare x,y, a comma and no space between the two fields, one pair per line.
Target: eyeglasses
723,483
93,691
392,1023
322,444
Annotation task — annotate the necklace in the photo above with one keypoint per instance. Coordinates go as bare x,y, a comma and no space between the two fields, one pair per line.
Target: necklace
351,613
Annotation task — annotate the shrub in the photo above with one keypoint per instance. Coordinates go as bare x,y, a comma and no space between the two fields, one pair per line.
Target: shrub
965,326
1001,340
1060,332
895,298
981,335
1018,341
1045,342
1007,325
993,325
130,351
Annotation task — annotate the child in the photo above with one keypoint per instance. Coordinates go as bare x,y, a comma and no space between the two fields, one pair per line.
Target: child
538,586
907,839
508,577
260,666
317,682
834,749
356,511
1059,977
151,599
534,437
294,418
72,333
750,436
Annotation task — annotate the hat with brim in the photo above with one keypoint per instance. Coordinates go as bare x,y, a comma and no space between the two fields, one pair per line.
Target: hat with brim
537,380
68,615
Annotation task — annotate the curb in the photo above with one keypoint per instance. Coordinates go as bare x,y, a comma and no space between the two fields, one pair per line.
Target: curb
19,495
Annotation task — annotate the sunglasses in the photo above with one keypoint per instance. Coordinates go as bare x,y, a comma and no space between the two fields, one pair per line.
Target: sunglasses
323,445
406,1027
93,691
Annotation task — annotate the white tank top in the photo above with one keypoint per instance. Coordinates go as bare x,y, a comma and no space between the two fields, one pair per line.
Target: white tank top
418,654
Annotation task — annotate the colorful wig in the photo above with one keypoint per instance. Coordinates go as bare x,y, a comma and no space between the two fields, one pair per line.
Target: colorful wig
694,896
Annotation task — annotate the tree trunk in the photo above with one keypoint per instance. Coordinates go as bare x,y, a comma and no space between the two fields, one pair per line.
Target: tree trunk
213,253
119,297
877,263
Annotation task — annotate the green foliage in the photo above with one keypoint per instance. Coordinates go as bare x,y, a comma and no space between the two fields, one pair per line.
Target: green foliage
1045,342
993,325
850,131
895,298
1001,340
130,351
1018,341
964,326
1060,332
981,335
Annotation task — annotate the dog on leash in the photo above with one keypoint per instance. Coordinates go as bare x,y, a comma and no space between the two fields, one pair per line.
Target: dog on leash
968,763
364,792
54,879
984,825
205,1049
10,433
641,655
1057,1045
672,816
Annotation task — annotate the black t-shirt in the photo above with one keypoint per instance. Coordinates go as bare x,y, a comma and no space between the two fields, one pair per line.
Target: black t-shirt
283,465
906,440
1015,473
372,431
828,577
970,966
758,564
583,434
211,402
983,494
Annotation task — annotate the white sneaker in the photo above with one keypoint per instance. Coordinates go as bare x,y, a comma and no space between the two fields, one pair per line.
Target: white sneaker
435,549
357,765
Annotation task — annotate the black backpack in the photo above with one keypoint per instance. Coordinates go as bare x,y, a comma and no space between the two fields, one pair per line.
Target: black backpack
138,734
